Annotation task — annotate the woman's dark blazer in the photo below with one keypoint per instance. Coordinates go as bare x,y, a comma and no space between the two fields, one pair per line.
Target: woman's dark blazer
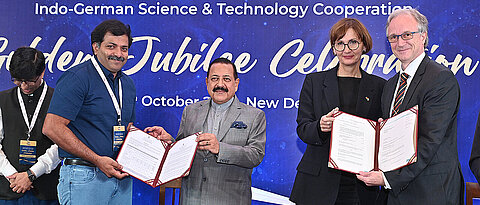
315,183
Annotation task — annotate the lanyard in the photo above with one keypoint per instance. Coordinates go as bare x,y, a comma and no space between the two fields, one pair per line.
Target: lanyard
109,89
31,124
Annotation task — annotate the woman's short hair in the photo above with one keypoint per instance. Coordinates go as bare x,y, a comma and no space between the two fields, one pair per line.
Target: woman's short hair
340,28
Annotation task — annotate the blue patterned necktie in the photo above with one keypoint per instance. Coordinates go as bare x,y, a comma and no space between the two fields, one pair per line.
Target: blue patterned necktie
400,94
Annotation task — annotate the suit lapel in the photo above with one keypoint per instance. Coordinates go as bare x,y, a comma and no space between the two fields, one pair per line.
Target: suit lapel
365,93
330,85
201,115
232,114
414,84
199,118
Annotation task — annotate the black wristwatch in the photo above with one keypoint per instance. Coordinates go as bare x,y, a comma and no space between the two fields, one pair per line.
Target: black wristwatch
31,176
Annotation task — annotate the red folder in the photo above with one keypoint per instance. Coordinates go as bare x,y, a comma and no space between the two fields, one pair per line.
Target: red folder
155,180
377,126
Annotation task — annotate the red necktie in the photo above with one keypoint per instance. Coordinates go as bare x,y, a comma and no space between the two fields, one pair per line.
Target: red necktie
400,94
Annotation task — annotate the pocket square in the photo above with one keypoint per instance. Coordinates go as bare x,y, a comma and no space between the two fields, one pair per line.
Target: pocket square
239,125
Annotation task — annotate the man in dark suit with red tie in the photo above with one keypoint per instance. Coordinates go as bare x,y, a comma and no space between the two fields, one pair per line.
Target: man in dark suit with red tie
436,177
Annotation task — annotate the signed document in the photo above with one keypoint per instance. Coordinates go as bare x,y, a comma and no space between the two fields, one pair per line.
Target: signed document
358,144
153,161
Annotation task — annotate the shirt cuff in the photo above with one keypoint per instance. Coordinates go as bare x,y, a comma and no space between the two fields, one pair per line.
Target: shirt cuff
9,170
38,169
387,185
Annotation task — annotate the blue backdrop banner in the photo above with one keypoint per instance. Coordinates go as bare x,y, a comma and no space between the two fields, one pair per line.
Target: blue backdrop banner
273,44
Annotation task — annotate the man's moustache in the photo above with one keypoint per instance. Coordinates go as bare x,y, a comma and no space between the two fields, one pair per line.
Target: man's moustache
116,58
220,88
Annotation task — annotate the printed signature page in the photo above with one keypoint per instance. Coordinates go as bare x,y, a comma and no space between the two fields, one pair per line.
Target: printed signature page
352,145
141,155
397,141
179,159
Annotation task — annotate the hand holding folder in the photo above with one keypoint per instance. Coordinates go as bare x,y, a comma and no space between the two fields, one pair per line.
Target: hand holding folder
359,144
154,161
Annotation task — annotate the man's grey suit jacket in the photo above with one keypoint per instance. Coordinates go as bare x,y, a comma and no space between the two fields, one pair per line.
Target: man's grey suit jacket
226,177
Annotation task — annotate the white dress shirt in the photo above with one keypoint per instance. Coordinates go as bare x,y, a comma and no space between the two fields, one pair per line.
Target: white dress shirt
45,163
410,70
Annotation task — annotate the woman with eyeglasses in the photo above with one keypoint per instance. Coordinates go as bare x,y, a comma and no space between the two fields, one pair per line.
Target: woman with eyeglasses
345,87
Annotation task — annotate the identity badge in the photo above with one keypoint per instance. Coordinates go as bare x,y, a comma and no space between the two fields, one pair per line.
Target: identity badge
28,152
118,137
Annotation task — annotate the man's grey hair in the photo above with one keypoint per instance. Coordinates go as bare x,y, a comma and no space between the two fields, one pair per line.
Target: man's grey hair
420,18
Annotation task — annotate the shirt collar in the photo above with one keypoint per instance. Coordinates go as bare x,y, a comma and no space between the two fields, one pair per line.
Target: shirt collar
413,66
222,107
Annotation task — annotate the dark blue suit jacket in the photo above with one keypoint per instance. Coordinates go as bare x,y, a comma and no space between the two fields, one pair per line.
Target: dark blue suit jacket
475,155
436,177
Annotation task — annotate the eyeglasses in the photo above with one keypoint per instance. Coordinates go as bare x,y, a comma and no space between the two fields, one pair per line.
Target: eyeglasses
30,82
352,45
405,36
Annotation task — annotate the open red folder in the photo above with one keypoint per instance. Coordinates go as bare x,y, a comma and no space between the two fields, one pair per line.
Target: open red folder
153,161
359,144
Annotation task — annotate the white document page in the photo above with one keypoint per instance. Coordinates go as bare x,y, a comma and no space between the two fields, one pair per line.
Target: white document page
397,143
353,143
179,159
141,155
